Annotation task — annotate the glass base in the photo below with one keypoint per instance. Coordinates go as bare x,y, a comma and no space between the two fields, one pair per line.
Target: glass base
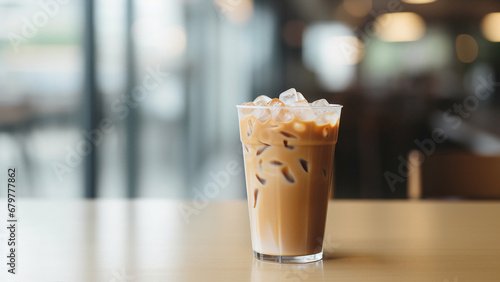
289,259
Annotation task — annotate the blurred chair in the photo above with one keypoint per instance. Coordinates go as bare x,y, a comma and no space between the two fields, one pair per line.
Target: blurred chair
453,175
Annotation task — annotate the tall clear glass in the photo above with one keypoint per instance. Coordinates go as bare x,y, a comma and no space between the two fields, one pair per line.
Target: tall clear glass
289,175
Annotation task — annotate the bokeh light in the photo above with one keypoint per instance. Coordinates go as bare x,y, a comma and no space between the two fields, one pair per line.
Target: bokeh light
490,27
358,8
466,47
400,27
236,11
167,41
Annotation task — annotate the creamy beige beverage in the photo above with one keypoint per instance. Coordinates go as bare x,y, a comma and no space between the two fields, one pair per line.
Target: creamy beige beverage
288,154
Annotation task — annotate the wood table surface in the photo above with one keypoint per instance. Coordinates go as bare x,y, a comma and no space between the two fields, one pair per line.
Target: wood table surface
150,240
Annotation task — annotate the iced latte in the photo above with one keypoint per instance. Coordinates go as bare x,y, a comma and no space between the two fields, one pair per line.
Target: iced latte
288,148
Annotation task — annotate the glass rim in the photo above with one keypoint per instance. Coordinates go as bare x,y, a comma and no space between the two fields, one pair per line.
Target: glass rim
330,106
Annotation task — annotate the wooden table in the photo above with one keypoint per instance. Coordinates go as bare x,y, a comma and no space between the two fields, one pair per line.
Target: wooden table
149,240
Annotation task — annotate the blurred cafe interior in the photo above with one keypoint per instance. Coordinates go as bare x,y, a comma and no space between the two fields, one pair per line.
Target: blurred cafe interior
419,81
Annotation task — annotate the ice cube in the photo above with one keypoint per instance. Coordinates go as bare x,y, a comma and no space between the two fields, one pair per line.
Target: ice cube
301,103
300,96
247,111
328,117
335,119
275,106
275,103
262,115
320,103
279,113
283,115
305,112
262,100
289,97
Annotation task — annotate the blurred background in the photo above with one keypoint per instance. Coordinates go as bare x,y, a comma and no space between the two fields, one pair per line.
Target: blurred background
124,98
